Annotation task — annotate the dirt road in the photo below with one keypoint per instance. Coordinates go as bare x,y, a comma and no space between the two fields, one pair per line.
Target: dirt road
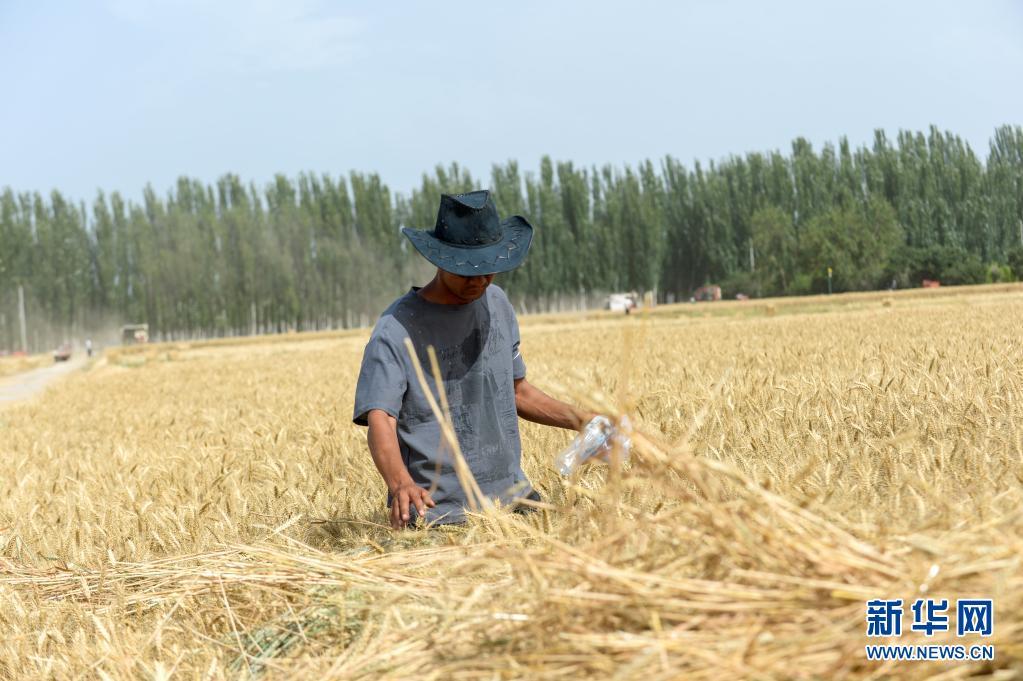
31,383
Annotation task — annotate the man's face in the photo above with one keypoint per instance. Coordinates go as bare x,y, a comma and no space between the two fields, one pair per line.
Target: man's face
466,289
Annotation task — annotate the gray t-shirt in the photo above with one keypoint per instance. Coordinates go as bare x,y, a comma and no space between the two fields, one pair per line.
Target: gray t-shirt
477,347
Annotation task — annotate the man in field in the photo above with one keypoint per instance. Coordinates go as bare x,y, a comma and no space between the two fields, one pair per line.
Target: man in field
472,326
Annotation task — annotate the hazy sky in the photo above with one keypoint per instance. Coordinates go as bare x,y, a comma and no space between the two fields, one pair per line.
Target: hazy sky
115,94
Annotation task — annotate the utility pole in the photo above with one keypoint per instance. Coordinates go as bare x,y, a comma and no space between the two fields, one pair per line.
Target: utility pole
21,317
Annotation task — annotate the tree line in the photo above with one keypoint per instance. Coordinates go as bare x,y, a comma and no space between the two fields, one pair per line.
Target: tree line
317,251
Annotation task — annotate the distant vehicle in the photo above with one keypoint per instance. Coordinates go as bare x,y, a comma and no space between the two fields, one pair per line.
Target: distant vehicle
707,293
134,333
620,302
63,353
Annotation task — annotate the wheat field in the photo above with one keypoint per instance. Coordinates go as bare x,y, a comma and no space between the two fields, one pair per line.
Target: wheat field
20,363
208,511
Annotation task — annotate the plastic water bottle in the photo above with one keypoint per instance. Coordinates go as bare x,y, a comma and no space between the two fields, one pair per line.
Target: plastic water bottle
598,439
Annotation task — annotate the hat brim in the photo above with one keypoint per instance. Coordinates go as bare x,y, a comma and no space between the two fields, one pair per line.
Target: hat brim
505,255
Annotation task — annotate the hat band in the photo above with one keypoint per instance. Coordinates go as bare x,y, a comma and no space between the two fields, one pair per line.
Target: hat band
455,244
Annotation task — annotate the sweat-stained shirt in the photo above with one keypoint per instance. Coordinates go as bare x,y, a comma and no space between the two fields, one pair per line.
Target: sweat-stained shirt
477,347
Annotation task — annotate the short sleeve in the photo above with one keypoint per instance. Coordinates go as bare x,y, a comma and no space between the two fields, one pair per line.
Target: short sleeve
518,364
382,380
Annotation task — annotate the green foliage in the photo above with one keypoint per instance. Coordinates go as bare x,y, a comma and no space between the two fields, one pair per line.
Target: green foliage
997,274
318,252
776,249
1015,260
740,282
855,242
951,265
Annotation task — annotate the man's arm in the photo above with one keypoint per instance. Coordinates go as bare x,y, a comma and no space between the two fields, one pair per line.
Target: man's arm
383,446
537,406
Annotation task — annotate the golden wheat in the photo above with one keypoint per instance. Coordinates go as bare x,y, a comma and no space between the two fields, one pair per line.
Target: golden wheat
207,510
15,364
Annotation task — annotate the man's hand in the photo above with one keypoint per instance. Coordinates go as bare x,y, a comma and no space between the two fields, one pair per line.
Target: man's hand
408,494
383,446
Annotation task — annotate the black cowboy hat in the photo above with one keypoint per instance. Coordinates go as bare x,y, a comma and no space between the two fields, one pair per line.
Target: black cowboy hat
469,239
